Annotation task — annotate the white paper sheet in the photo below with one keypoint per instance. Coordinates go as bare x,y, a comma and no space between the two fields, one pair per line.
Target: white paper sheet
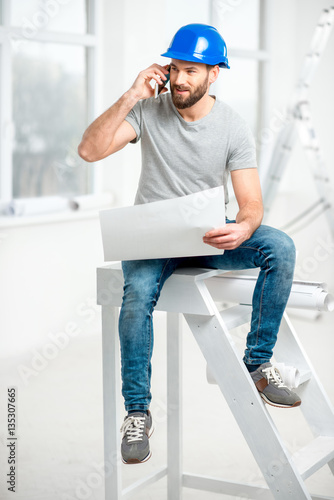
163,229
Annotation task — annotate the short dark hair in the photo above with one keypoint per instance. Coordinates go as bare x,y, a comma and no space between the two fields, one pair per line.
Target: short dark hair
210,66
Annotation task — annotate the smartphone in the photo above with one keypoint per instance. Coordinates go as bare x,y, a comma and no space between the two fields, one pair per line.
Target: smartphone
158,88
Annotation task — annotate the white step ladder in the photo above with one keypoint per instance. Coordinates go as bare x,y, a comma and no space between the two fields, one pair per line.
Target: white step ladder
194,292
298,122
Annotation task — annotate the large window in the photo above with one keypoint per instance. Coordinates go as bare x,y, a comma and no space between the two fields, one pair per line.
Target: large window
238,22
245,26
47,59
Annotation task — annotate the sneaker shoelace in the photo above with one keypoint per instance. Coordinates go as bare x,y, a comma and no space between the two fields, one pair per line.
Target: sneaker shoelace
273,375
133,428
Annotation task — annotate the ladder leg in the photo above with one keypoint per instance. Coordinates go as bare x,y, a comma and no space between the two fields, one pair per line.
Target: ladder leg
247,407
316,406
278,162
320,172
174,406
111,409
331,466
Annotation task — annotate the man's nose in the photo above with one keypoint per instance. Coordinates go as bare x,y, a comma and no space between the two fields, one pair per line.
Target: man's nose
180,78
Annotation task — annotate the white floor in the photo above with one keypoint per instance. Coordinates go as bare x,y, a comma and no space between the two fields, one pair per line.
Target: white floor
59,413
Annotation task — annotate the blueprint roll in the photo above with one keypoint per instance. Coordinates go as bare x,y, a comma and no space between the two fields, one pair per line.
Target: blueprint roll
290,375
240,288
91,201
36,206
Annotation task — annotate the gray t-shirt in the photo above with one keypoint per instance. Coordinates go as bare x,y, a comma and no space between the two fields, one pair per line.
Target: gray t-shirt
180,157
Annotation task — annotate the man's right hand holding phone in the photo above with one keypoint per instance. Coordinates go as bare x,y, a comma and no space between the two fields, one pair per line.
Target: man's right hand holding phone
142,87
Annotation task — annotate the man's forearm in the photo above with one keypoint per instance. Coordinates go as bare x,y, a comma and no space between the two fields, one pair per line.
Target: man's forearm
99,135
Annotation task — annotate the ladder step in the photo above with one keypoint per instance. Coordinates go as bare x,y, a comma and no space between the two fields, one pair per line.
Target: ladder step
315,455
236,316
305,376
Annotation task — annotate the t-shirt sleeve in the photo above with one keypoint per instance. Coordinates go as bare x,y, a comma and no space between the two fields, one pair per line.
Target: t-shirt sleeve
134,118
242,152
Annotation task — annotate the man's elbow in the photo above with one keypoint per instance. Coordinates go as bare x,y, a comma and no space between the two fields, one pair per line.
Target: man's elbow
85,152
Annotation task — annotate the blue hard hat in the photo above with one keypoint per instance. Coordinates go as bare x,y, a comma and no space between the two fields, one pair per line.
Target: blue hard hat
198,43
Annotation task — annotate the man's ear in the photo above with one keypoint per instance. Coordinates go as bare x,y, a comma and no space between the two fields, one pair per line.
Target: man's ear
214,72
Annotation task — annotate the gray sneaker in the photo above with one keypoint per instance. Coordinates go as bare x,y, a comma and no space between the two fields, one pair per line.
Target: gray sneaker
272,389
137,428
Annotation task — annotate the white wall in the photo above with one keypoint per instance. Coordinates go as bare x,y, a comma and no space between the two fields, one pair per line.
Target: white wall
47,283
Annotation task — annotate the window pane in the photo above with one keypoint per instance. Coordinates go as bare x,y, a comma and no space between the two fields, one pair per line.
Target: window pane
49,108
238,88
238,22
49,15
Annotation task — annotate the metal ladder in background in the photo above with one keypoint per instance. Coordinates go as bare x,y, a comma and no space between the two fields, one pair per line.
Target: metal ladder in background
298,123
195,294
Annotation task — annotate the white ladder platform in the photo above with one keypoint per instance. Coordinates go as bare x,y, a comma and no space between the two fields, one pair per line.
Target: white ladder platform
231,488
190,292
313,456
236,316
141,484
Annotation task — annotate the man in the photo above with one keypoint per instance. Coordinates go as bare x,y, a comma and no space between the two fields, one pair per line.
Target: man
191,142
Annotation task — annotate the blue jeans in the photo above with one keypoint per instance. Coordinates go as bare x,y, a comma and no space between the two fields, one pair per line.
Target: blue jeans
268,249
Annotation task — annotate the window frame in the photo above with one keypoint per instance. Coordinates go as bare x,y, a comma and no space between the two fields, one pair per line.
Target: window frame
262,56
8,34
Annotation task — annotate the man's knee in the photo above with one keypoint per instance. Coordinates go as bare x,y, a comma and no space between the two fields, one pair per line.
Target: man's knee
283,250
287,249
277,246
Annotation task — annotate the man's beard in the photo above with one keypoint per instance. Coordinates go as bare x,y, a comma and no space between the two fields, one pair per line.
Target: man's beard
193,97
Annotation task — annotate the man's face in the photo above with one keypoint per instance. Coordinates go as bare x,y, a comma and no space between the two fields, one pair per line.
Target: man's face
189,82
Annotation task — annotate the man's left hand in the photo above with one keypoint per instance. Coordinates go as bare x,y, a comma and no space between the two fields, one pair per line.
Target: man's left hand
229,236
